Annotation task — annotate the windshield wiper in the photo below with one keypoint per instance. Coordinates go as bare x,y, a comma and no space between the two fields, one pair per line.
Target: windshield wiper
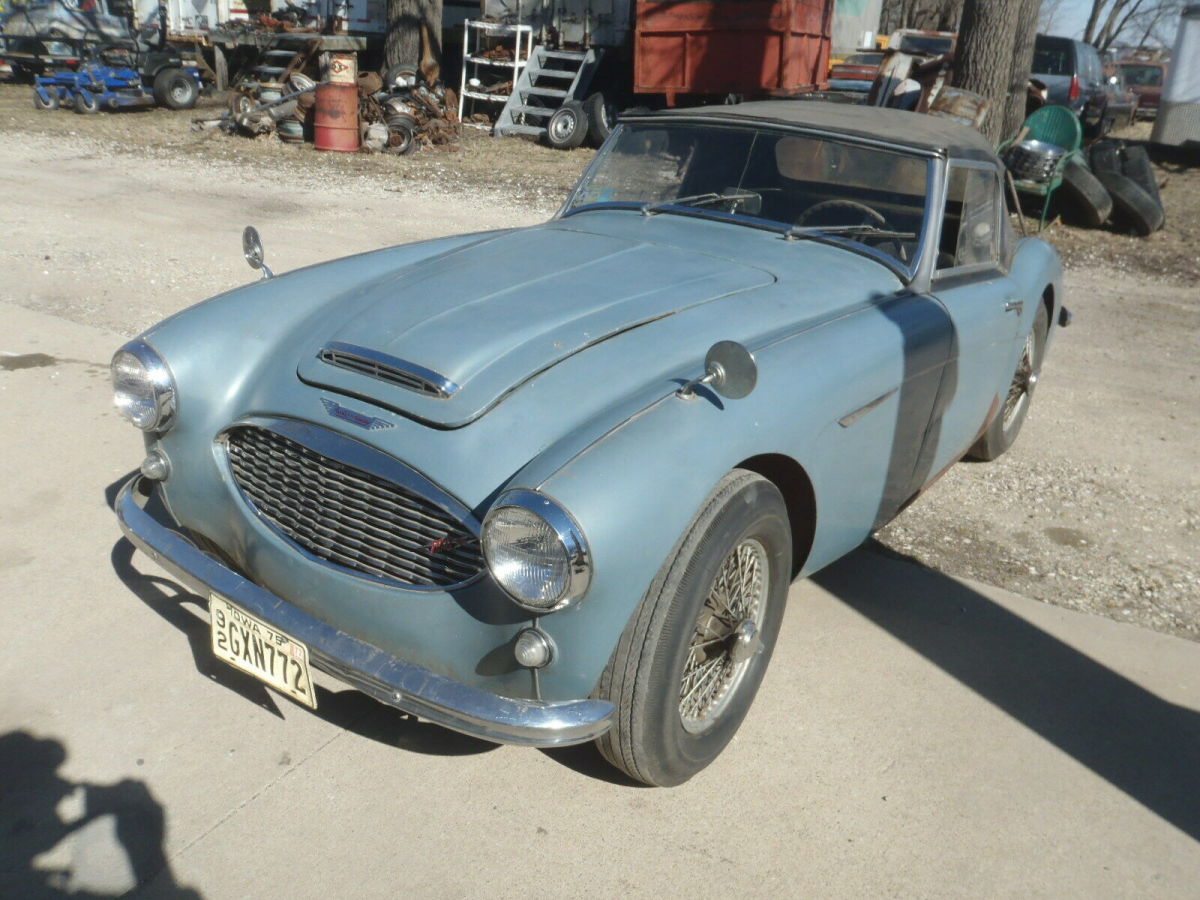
651,209
796,232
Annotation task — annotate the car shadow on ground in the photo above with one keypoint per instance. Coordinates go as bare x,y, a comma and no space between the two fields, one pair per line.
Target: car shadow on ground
348,709
1140,743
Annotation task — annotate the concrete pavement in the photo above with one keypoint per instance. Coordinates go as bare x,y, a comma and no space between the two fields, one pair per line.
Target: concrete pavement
916,735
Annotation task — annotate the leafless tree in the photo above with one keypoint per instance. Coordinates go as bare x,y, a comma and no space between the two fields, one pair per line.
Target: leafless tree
1048,15
1154,26
1109,20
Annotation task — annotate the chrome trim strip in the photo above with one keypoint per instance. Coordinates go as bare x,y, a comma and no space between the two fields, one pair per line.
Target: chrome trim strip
368,459
439,385
850,418
569,533
411,688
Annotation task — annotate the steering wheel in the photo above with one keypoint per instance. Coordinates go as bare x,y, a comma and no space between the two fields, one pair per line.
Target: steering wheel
842,212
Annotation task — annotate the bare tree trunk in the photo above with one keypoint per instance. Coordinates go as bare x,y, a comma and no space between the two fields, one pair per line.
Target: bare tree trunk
983,60
934,15
1093,22
414,36
1022,65
1113,28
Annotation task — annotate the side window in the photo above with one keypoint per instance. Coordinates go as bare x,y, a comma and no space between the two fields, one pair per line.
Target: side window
969,233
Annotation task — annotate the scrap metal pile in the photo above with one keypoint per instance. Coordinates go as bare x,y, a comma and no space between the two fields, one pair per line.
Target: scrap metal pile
405,114
290,18
399,117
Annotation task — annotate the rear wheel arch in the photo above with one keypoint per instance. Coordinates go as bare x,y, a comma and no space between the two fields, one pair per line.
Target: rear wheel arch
793,482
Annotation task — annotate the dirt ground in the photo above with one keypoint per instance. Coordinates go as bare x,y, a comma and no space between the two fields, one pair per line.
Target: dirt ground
1097,508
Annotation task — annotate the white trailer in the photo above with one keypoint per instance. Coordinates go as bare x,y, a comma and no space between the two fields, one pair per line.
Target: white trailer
1178,122
190,20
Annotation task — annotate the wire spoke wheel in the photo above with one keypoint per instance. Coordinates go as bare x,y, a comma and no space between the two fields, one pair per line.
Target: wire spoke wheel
687,667
725,636
1023,379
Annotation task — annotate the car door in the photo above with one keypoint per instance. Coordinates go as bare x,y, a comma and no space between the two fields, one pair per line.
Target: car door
985,307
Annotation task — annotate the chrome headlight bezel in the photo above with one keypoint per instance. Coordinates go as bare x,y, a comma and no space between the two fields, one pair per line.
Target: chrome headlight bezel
572,543
153,389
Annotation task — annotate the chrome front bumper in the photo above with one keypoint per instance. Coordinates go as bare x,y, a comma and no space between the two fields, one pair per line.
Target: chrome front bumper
408,687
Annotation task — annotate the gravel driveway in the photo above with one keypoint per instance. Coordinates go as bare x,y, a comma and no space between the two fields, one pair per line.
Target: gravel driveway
117,220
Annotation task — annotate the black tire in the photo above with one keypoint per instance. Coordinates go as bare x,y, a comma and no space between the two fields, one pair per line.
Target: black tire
51,103
1132,207
601,118
1135,165
86,103
1105,157
402,138
409,71
1082,199
175,89
567,127
744,521
1006,424
241,103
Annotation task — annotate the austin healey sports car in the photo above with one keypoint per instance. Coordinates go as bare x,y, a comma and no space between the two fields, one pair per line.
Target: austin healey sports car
551,485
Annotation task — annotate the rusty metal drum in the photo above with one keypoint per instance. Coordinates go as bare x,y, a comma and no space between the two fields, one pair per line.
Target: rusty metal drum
335,118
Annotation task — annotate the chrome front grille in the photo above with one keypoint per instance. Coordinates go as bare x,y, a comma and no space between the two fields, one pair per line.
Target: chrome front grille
349,517
395,371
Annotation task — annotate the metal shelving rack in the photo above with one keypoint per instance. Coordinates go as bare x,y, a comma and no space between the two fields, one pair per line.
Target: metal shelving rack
475,39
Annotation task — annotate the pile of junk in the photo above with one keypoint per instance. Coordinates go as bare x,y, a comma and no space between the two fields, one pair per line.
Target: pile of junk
397,113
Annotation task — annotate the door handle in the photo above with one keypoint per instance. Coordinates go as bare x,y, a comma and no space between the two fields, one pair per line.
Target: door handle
1014,306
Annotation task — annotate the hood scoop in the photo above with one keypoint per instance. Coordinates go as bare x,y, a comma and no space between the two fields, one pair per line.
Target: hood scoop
391,369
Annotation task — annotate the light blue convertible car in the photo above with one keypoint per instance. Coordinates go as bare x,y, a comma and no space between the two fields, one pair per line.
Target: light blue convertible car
551,485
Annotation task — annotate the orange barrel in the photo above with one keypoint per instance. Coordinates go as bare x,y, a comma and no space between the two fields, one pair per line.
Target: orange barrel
335,118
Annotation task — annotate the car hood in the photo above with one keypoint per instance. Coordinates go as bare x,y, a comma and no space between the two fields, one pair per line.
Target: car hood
445,339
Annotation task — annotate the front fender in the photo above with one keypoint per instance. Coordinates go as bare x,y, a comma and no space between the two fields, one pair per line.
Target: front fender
636,488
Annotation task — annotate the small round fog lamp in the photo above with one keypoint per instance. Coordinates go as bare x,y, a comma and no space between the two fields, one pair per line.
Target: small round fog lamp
533,649
156,466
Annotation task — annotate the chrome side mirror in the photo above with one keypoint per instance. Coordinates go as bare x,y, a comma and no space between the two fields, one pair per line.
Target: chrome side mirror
252,249
729,368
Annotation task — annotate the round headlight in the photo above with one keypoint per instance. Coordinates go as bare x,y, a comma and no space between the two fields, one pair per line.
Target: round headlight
536,551
143,388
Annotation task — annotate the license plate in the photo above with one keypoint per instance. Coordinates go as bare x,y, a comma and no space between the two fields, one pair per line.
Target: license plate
250,644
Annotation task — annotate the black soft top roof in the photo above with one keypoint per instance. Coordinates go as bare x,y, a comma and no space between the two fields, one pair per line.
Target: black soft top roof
908,129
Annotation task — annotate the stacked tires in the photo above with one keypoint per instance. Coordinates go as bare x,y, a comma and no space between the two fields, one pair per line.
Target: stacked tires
1119,185
575,123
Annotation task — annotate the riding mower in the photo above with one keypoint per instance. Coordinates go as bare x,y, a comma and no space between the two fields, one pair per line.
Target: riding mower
115,76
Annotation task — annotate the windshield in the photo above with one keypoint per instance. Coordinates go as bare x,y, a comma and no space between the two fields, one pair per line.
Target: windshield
1052,59
1142,76
763,178
928,45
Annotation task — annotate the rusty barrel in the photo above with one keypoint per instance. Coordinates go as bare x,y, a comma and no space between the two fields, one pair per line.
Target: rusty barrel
335,118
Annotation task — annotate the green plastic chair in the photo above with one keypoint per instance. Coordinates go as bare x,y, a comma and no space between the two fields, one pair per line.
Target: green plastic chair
1054,125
